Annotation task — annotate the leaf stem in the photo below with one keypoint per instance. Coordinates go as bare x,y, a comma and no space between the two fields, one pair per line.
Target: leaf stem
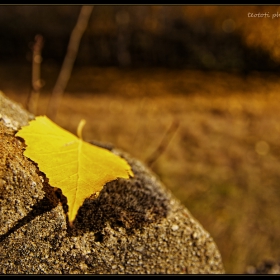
80,128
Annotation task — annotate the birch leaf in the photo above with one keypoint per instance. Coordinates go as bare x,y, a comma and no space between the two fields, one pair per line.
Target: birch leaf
78,168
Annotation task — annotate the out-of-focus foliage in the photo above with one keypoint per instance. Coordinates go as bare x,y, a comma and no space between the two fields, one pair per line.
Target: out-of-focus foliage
200,37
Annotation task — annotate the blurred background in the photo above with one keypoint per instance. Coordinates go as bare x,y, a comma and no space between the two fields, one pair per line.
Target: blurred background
192,91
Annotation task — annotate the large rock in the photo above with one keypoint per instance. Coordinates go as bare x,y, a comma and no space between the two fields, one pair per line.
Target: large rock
134,226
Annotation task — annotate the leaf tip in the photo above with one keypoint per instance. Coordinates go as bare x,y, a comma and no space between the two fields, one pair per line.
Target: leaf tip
71,224
130,173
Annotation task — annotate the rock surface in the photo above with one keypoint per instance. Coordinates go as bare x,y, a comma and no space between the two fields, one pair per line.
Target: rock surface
135,226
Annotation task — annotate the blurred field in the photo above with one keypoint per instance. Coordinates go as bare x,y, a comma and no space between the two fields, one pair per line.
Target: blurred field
223,161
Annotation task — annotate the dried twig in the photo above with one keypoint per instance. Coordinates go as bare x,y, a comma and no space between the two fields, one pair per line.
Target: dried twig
69,60
36,82
163,144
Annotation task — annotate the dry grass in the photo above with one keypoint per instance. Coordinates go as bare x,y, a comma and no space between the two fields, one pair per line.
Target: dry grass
223,162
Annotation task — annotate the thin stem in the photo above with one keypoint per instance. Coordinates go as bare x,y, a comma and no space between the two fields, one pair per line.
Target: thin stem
163,144
36,81
69,60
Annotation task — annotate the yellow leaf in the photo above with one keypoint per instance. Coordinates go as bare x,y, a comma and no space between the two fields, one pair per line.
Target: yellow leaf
78,168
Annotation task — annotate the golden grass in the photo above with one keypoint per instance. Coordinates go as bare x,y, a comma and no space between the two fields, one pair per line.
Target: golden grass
223,162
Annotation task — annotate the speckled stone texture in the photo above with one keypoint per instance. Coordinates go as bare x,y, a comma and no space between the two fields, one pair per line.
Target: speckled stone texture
135,226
